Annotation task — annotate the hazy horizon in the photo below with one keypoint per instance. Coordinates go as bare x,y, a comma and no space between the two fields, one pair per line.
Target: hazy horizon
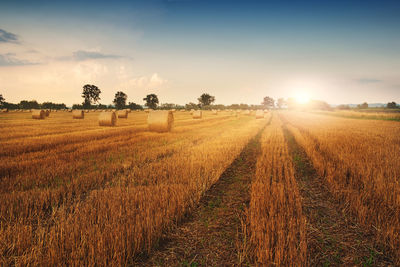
238,51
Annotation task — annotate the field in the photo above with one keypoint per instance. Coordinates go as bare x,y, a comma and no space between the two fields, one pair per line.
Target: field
291,189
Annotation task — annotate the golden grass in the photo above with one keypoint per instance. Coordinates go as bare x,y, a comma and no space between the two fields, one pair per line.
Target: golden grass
363,115
276,223
74,193
360,162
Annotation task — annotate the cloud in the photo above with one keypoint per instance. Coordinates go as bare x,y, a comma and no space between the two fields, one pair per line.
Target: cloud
153,81
8,37
9,59
148,82
368,80
82,55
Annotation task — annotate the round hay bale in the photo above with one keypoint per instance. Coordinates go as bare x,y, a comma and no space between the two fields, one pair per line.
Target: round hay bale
147,110
259,114
122,114
197,114
160,120
265,110
4,110
192,111
47,112
214,112
128,110
107,119
38,114
78,114
173,110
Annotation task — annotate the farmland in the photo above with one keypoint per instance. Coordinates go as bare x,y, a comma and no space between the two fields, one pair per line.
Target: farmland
292,189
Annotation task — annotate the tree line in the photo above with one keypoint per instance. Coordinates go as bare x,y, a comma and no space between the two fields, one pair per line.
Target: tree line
91,97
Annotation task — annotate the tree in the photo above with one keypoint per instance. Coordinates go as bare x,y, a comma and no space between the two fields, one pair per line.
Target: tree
343,107
281,102
192,105
133,105
363,105
391,105
206,99
151,101
33,104
51,105
91,93
318,104
2,100
120,100
268,102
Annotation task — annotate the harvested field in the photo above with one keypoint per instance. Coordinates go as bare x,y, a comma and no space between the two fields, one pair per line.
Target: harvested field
294,189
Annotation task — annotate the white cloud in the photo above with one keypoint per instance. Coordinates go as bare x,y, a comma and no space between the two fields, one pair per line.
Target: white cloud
146,82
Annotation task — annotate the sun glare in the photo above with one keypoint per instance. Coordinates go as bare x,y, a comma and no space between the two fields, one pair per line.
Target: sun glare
302,98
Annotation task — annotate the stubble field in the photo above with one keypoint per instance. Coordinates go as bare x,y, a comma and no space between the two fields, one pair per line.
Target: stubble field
313,190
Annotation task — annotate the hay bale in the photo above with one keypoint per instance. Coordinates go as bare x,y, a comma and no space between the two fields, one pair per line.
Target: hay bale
107,119
265,110
38,114
197,114
259,114
160,120
78,114
128,110
4,110
47,112
214,112
192,111
246,112
147,110
122,114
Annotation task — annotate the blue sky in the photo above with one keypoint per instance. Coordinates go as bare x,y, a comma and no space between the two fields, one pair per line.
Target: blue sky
239,51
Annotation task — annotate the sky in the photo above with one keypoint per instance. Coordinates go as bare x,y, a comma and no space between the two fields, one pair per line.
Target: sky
238,51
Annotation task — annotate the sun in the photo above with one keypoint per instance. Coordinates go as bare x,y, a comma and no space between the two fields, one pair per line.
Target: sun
302,98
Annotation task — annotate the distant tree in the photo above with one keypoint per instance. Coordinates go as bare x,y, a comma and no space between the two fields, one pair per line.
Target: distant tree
151,101
280,103
2,100
392,105
51,105
33,104
243,106
192,105
77,106
170,106
120,100
91,94
268,102
320,105
206,99
343,107
132,105
363,105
